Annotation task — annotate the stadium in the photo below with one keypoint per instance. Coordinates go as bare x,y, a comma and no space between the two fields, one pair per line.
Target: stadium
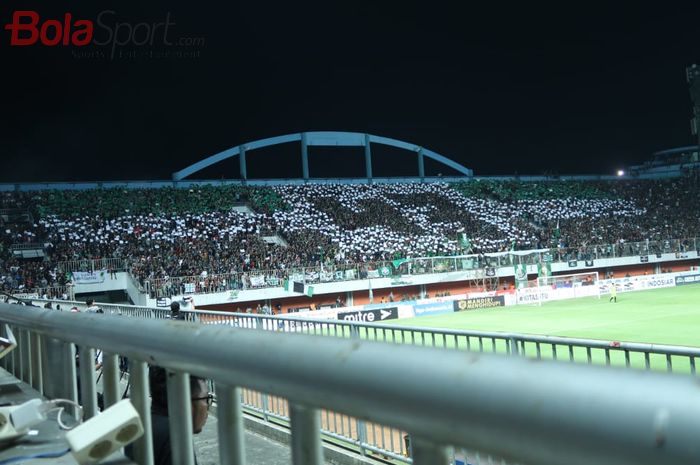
391,294
513,265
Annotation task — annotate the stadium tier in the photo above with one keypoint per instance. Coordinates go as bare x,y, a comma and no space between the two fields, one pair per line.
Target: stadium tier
206,231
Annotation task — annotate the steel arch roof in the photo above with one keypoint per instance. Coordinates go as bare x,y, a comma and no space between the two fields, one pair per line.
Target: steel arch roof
320,138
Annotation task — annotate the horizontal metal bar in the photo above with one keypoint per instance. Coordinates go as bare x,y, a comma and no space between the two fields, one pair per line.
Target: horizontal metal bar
519,409
157,312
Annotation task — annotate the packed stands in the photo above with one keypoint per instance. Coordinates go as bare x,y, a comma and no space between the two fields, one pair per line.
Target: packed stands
170,232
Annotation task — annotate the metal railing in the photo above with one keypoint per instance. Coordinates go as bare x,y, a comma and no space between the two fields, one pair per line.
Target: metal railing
671,358
26,246
385,440
95,264
660,357
544,413
474,264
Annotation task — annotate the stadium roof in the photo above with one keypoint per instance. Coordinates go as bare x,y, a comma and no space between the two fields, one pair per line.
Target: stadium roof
323,138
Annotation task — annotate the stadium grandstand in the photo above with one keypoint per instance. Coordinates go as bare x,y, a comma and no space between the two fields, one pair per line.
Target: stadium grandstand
456,264
224,238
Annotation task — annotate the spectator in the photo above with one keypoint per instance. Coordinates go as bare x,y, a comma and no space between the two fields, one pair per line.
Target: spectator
177,238
175,312
91,307
201,401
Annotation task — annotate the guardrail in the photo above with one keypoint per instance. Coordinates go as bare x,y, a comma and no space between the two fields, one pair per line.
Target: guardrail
671,358
95,264
544,413
389,441
26,246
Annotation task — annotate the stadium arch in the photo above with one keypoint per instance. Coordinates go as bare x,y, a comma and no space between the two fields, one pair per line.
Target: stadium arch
323,138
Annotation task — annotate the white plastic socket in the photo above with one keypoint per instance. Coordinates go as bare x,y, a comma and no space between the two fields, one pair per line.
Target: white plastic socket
103,434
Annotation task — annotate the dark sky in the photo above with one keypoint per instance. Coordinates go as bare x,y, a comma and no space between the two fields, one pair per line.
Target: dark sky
501,89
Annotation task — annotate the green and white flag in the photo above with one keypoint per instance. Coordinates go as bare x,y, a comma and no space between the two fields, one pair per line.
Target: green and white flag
464,241
309,291
520,276
544,270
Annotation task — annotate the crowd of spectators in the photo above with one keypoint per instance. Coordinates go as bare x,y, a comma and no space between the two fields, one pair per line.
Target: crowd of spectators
169,232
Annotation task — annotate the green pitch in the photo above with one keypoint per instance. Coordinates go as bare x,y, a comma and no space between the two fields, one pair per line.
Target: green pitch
661,316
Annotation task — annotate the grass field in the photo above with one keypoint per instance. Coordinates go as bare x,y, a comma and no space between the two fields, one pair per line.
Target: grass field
661,316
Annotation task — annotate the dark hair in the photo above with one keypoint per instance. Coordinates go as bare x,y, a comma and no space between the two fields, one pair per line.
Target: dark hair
158,382
175,306
89,302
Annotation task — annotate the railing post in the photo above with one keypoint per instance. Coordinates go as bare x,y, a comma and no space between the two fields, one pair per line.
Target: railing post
362,435
88,392
513,346
306,435
37,379
265,406
180,413
26,360
428,453
143,447
110,383
231,431
14,355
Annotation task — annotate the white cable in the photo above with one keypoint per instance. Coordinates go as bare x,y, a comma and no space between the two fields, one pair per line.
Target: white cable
54,405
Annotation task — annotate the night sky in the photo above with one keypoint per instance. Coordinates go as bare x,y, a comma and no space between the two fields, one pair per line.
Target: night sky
500,89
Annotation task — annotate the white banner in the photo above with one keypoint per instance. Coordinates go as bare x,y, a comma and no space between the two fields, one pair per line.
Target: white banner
89,277
637,283
33,295
257,281
529,295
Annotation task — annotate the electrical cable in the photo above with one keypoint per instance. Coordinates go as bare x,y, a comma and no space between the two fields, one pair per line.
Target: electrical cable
55,405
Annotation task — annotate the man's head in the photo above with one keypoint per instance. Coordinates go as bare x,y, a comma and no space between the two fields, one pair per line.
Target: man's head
175,308
199,393
89,302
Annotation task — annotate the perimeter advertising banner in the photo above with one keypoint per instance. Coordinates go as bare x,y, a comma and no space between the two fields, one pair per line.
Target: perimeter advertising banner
637,283
479,302
688,279
379,314
435,308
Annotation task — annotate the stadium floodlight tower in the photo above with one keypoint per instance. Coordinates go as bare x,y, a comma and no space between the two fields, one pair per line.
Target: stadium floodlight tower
693,75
